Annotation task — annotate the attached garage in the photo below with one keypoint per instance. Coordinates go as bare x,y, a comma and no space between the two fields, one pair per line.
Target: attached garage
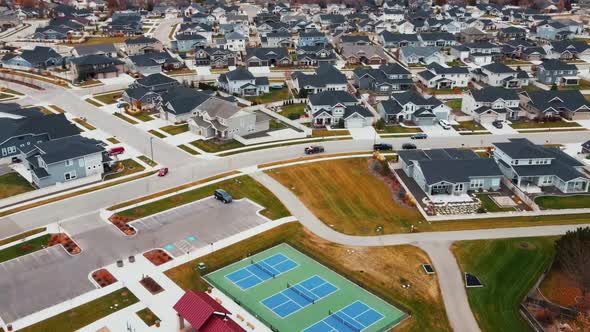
488,115
355,122
581,115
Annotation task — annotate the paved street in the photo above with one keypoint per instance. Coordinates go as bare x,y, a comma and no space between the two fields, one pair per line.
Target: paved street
51,276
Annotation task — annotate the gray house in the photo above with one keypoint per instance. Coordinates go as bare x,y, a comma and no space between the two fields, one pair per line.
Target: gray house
180,104
24,132
532,167
557,72
384,80
412,106
242,82
64,160
41,57
442,173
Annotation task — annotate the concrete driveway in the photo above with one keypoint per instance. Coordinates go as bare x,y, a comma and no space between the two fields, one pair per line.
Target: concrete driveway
438,131
45,278
505,130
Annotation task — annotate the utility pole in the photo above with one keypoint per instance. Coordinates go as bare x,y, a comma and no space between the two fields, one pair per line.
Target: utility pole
152,148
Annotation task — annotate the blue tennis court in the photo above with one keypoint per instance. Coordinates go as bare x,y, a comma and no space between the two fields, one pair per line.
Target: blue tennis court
355,317
299,296
261,271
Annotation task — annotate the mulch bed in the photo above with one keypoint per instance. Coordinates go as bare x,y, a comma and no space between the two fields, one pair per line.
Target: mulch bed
103,277
121,223
151,285
64,240
157,257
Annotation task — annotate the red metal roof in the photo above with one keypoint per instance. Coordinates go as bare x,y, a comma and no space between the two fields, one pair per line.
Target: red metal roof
198,307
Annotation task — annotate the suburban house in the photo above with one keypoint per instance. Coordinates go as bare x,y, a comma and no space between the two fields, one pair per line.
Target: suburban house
95,67
444,174
203,313
511,33
338,109
491,104
325,78
188,42
569,49
151,63
500,75
438,77
396,40
218,118
147,90
215,57
479,53
142,45
267,57
554,71
180,104
384,80
41,57
437,39
124,23
554,30
363,54
472,35
569,104
242,82
234,41
101,49
532,167
412,106
312,38
63,160
277,39
19,132
315,55
421,55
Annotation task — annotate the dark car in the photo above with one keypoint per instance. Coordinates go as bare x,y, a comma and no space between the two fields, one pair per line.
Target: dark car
222,195
314,149
498,124
382,147
408,146
419,136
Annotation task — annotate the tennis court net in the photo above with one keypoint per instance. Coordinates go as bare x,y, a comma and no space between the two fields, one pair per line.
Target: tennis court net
264,269
347,322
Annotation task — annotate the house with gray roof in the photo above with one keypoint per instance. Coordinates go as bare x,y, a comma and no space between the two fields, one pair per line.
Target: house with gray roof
151,63
533,167
500,75
95,66
267,57
363,54
569,49
64,160
311,56
395,40
108,49
547,105
337,109
142,45
554,30
491,104
221,119
215,57
18,131
553,71
410,55
412,106
40,57
383,80
148,90
180,104
326,78
447,174
242,82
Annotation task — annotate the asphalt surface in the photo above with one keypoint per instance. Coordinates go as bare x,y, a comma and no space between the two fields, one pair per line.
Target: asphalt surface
50,276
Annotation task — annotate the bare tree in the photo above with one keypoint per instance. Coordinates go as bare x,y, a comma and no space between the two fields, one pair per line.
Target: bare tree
572,251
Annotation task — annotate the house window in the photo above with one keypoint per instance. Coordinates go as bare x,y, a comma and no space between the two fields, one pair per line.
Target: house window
476,183
69,162
70,175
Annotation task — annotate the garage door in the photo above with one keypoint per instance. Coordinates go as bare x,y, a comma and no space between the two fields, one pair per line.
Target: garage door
355,123
488,117
581,116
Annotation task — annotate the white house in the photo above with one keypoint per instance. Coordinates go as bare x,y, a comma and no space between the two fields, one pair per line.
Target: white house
490,104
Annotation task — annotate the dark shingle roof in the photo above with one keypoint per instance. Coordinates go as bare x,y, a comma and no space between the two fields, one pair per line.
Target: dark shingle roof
55,125
68,148
331,98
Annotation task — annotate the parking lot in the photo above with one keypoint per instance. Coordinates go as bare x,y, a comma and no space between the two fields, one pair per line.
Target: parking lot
51,276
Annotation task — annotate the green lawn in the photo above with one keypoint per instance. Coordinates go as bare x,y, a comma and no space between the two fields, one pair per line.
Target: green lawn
147,161
547,124
22,236
397,129
5,96
531,87
130,166
156,133
147,316
12,92
187,149
13,184
92,102
113,140
276,125
216,146
109,98
125,118
327,133
468,125
175,130
23,248
455,104
563,202
583,85
293,112
240,187
85,314
272,96
508,268
489,205
141,116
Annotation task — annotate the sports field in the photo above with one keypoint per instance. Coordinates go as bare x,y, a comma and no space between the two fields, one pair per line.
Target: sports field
289,291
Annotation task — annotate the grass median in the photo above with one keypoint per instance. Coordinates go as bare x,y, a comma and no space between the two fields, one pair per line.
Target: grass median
24,248
240,187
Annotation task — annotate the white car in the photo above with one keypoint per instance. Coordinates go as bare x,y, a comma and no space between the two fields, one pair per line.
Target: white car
445,124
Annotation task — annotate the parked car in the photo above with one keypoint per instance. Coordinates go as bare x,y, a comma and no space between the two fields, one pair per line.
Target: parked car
163,171
498,124
382,147
314,149
444,124
419,136
116,150
16,160
222,195
408,146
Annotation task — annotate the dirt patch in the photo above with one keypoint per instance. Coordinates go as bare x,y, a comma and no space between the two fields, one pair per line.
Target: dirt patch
559,288
157,257
151,285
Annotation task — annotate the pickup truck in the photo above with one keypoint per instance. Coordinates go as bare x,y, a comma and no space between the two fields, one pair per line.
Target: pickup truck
314,149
